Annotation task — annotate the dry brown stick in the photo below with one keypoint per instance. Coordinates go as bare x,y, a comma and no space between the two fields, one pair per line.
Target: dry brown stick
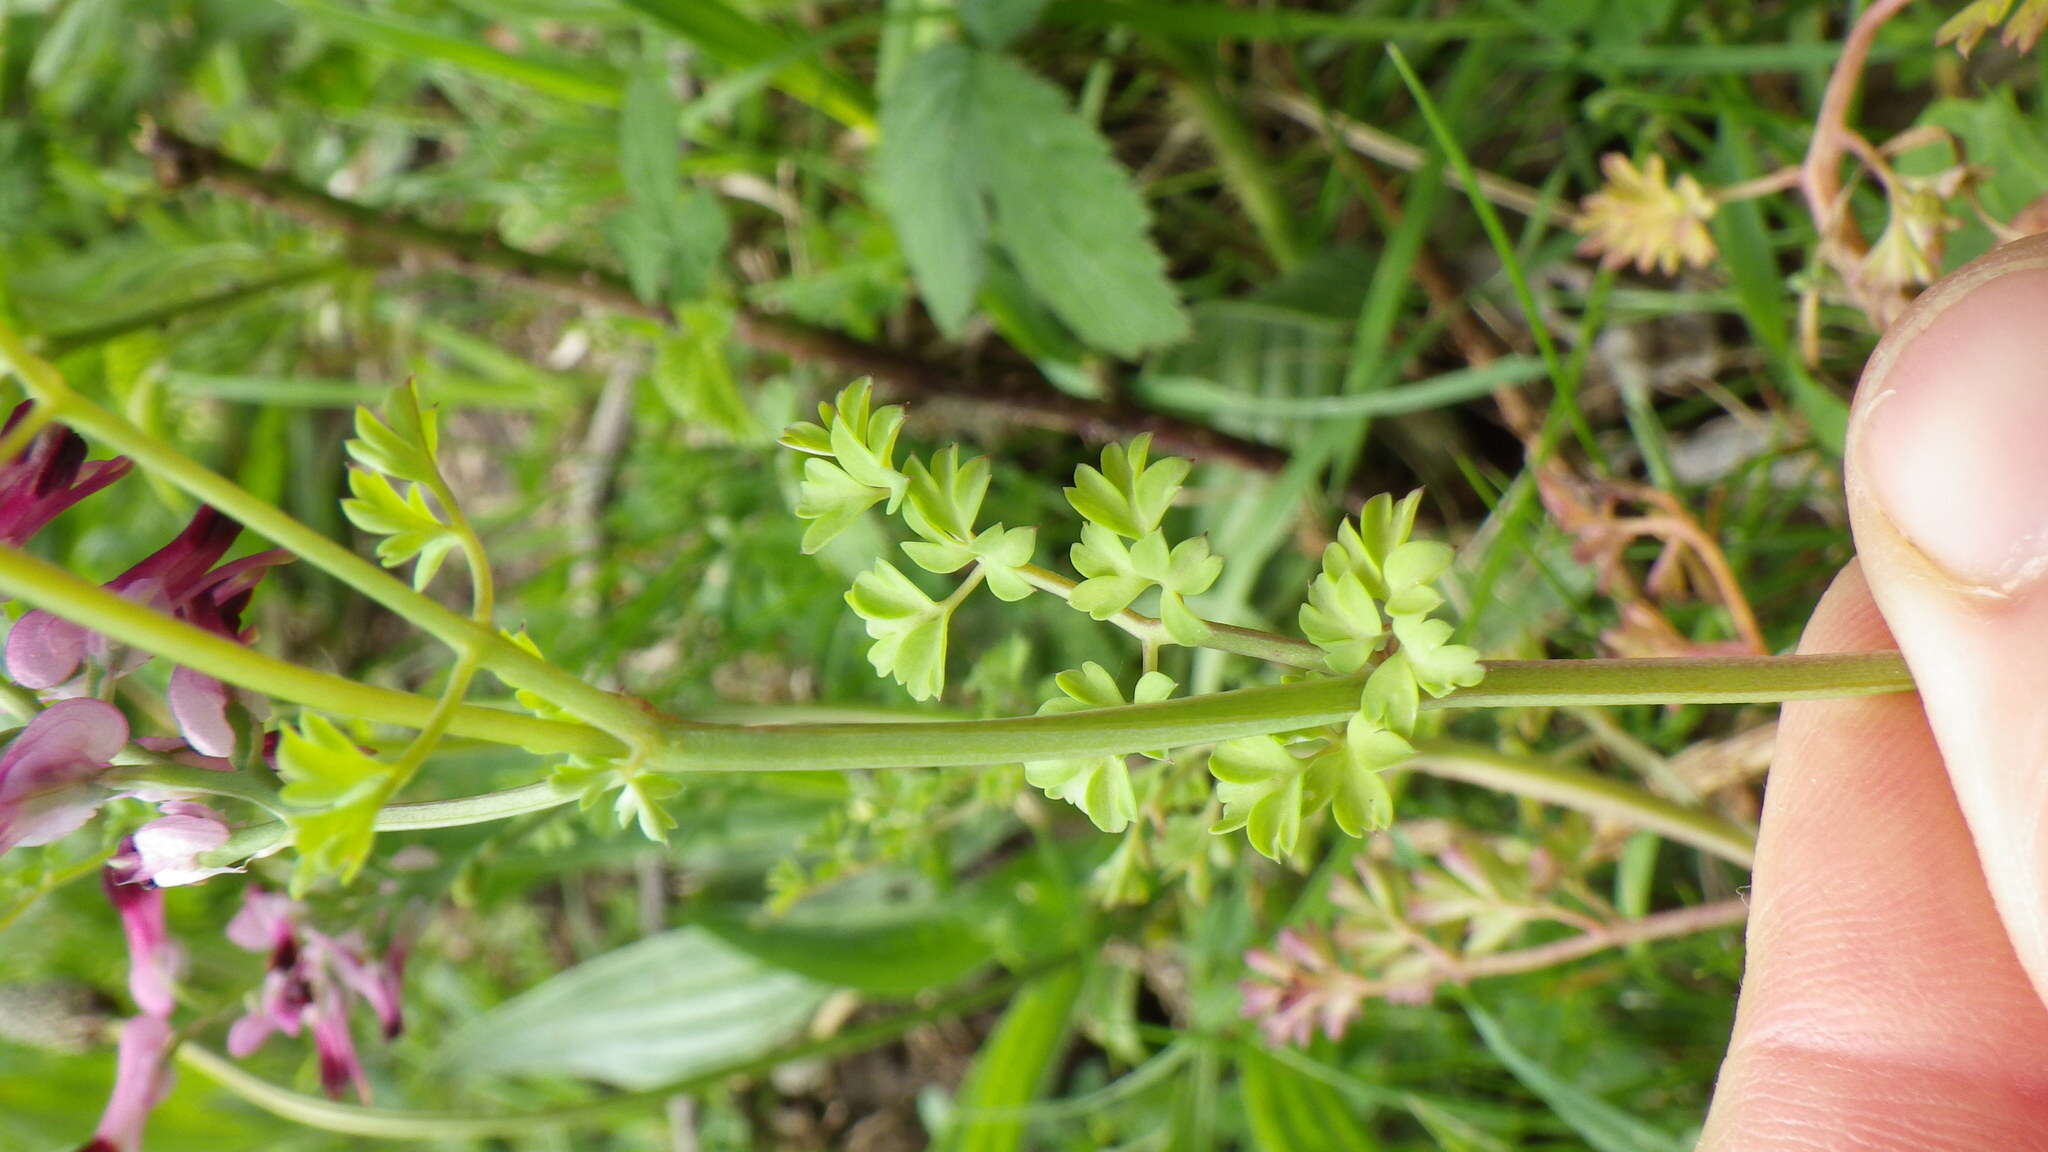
1656,926
1017,396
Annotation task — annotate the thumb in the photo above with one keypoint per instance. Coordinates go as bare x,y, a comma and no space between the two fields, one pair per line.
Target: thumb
1947,469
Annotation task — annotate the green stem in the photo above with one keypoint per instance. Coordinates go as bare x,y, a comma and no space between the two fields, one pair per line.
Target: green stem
1277,708
1583,791
1250,642
615,714
355,1120
54,590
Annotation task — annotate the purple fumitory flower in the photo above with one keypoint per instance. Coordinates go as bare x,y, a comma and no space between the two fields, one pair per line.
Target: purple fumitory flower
141,1079
169,846
142,1073
45,651
49,774
154,959
45,478
312,981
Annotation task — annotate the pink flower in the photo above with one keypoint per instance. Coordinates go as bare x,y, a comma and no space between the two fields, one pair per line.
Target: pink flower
44,651
169,846
47,477
312,983
49,774
154,959
141,1079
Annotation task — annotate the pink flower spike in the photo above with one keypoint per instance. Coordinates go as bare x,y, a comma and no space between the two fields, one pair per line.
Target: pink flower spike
44,651
48,774
142,1078
154,959
170,845
200,705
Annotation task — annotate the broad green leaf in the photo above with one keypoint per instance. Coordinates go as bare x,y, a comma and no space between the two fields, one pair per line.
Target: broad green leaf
695,379
1288,1111
1602,1126
1013,1065
739,41
647,1014
1069,217
909,629
929,178
889,952
975,148
997,22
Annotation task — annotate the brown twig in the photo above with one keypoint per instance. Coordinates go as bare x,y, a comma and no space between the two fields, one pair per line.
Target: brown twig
1017,396
1616,934
1842,245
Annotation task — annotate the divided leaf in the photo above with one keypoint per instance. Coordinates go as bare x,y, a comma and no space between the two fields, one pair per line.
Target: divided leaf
855,443
909,629
340,787
1128,495
1101,785
409,527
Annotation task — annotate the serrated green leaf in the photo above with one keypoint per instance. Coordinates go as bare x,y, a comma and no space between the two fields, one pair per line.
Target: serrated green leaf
929,179
908,627
997,22
695,379
976,148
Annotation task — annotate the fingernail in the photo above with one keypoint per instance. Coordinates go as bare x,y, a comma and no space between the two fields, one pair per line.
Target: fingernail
1952,434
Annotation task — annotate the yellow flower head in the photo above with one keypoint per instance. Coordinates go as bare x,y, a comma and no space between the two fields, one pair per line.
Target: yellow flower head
1640,216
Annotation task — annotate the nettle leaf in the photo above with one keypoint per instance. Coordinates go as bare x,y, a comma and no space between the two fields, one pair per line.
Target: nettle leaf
1263,787
670,237
1099,786
405,448
1128,495
929,177
409,526
909,629
997,22
695,379
339,786
976,149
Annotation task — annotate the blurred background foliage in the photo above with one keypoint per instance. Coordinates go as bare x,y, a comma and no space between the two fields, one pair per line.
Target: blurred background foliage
730,231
